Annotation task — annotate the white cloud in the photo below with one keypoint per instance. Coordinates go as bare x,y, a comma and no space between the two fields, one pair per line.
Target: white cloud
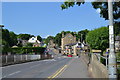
98,10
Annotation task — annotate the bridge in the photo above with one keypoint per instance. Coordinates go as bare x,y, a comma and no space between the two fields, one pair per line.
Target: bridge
85,66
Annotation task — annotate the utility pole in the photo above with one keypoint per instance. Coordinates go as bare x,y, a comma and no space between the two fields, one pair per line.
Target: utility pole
112,58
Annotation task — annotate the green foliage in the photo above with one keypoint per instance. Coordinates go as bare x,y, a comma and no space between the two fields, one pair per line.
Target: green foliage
6,49
118,55
29,45
39,38
84,33
25,36
58,39
48,39
117,28
71,3
98,38
103,6
9,39
13,38
5,38
28,50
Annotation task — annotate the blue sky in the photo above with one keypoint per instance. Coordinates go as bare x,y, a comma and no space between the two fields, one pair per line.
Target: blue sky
47,18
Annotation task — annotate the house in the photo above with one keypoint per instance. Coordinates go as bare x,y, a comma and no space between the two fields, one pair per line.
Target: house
36,43
70,45
22,42
51,44
68,42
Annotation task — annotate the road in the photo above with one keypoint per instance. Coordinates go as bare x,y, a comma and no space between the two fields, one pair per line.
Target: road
49,68
36,69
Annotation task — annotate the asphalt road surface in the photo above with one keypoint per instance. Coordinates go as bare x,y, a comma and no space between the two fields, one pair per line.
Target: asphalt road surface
36,69
59,67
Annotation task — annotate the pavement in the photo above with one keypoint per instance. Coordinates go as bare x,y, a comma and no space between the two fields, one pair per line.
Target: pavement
59,67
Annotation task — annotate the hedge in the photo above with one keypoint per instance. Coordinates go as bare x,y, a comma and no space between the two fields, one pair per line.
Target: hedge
25,50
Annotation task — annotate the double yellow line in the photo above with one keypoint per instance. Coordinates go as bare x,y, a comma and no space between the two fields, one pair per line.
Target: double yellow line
58,72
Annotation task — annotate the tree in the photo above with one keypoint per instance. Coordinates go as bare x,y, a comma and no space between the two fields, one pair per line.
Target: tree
103,6
84,33
39,38
58,39
71,3
13,38
29,45
6,38
48,39
98,38
117,28
25,36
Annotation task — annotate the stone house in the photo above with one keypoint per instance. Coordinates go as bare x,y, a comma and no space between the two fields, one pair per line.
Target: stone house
51,44
68,43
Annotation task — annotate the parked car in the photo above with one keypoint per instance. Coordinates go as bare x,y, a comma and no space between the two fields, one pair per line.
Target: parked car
69,55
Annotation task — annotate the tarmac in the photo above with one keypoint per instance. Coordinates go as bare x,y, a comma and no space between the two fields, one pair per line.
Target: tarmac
76,68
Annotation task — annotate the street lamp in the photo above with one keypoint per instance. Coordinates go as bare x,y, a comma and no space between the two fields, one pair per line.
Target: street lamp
112,58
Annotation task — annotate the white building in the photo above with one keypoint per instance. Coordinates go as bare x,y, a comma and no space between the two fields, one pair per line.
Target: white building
36,43
33,40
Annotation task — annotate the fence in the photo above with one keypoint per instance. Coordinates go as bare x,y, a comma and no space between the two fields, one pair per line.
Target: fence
12,59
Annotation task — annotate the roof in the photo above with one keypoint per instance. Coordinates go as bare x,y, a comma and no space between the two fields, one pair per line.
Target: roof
33,40
68,34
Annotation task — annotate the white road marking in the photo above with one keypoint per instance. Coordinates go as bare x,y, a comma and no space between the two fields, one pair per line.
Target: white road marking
50,60
14,73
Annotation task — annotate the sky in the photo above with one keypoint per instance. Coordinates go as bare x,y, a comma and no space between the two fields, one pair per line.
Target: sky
47,18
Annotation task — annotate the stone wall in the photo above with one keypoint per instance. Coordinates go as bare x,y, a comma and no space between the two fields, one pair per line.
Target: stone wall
97,69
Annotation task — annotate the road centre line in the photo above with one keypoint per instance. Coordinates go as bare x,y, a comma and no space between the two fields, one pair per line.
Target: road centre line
54,73
58,72
65,68
61,70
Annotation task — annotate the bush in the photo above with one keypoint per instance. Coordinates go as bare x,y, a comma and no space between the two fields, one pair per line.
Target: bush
30,50
6,49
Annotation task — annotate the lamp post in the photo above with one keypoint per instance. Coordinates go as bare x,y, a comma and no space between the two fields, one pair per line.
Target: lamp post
112,58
